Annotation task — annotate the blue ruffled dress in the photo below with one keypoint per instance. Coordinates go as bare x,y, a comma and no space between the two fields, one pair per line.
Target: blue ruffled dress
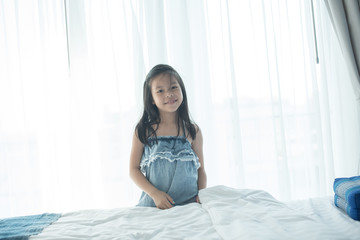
171,165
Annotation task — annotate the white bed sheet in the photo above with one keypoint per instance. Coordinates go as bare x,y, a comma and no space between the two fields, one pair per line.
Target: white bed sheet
225,213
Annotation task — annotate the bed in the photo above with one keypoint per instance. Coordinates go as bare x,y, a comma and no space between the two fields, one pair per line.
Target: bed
225,213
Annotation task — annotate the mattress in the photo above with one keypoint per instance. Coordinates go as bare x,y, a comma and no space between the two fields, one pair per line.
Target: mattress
225,213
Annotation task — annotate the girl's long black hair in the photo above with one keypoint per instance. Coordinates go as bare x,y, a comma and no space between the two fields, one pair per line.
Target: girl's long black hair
151,114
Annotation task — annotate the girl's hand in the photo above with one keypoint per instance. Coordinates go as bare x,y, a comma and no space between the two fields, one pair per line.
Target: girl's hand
197,199
162,200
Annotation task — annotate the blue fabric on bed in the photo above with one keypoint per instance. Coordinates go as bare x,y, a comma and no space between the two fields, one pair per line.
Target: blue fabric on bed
354,213
19,228
349,190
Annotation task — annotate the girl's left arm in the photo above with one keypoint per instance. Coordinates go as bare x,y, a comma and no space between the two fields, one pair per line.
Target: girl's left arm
197,146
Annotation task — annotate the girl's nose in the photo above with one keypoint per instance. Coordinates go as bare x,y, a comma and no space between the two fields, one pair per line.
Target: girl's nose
169,94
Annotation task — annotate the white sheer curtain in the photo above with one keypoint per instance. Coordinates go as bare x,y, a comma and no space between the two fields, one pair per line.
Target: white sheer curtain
339,98
71,75
345,19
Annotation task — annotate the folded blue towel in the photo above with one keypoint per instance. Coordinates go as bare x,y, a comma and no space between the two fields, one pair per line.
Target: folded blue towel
21,228
349,190
354,213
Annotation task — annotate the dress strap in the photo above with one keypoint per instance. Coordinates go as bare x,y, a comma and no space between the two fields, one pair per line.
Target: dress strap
184,129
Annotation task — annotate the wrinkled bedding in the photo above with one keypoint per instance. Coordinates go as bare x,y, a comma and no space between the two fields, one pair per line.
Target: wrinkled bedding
225,213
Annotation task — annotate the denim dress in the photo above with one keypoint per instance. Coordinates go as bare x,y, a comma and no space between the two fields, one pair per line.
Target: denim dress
170,165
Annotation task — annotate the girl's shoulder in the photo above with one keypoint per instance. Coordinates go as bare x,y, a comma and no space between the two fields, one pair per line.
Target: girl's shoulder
191,131
143,132
198,140
197,128
192,126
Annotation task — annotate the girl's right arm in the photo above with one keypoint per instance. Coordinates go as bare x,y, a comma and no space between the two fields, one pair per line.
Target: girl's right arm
161,199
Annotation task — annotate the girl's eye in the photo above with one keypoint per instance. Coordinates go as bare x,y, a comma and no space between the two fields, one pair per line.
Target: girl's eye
174,87
160,91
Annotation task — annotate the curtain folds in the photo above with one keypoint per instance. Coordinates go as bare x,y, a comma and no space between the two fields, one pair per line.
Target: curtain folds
345,18
71,95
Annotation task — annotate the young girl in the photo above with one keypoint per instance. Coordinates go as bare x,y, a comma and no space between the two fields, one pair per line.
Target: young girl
166,159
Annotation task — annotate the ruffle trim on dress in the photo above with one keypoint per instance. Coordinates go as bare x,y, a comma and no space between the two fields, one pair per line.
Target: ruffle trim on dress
184,156
168,139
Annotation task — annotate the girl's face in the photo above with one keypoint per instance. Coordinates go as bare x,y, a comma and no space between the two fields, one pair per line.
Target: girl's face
166,93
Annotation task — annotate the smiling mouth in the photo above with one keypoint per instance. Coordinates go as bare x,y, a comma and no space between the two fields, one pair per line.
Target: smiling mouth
171,101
